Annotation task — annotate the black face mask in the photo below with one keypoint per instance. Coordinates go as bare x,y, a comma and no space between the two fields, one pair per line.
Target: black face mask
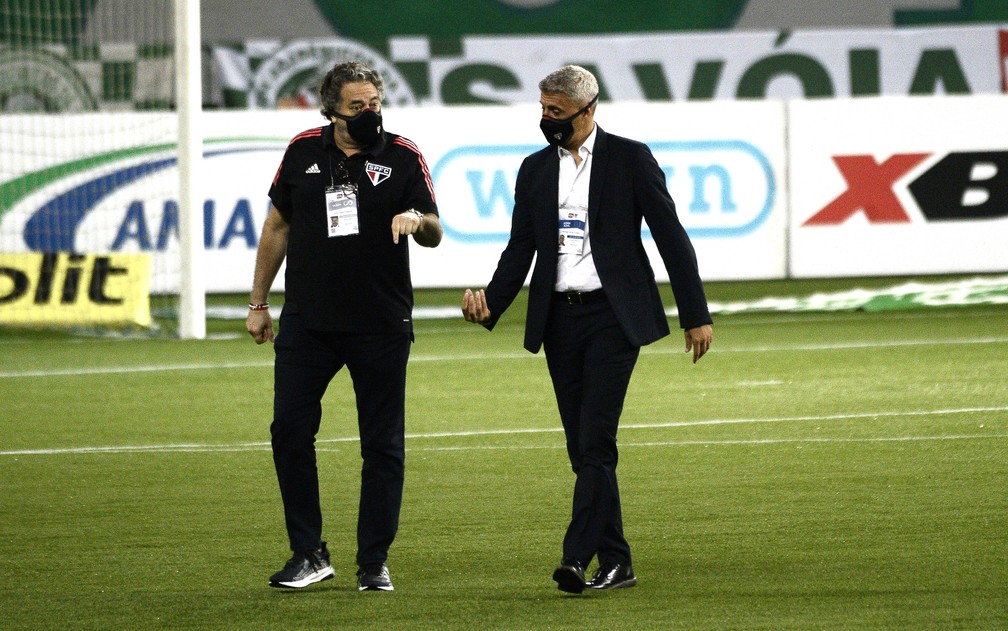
365,128
559,130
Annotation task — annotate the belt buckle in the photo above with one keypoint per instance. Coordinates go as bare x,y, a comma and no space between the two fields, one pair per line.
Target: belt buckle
574,298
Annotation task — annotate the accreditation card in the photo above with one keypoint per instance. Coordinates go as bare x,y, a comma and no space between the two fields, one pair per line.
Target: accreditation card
572,230
341,211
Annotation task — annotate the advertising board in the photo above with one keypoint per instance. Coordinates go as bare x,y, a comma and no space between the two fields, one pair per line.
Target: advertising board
898,186
724,162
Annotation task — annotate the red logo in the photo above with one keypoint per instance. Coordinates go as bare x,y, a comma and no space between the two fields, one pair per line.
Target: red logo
961,186
869,189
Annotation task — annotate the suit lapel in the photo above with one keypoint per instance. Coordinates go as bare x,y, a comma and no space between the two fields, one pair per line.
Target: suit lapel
551,193
553,182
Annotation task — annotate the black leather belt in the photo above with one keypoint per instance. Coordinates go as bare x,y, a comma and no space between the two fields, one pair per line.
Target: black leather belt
580,297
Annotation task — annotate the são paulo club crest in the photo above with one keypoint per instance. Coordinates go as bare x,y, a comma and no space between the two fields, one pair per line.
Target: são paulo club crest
377,173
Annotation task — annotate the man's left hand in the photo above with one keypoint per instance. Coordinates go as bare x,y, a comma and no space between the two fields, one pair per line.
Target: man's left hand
405,224
699,341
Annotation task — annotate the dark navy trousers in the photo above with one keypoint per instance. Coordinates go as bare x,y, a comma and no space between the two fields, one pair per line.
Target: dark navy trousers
590,363
306,361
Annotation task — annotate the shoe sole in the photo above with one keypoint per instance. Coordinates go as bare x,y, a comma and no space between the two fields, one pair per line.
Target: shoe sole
321,575
375,588
568,581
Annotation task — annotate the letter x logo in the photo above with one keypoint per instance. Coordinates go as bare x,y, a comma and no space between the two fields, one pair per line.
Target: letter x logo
869,189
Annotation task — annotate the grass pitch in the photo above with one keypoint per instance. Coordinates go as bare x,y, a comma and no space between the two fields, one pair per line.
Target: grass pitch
826,471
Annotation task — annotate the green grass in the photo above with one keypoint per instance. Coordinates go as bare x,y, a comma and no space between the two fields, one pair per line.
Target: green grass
815,471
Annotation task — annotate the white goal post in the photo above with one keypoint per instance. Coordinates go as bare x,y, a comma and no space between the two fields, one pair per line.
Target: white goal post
189,90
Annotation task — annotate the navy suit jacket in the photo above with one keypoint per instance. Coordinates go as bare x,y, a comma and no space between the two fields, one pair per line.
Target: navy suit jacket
626,186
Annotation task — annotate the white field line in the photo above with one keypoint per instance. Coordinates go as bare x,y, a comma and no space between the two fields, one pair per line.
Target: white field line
114,370
658,349
833,346
777,441
265,446
755,441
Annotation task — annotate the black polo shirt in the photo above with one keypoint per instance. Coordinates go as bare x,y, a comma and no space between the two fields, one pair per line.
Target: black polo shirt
356,283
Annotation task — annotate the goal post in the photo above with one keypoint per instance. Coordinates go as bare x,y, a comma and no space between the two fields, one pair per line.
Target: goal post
188,79
100,159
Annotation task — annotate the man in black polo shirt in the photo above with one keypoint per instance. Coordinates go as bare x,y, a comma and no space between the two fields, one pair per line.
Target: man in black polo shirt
345,199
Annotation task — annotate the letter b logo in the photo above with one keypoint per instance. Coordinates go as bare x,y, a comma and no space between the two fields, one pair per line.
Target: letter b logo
964,186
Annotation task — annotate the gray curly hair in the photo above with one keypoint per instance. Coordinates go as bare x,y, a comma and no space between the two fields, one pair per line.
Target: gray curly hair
340,75
573,82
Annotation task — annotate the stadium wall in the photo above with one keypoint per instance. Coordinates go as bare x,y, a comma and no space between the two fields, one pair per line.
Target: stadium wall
767,189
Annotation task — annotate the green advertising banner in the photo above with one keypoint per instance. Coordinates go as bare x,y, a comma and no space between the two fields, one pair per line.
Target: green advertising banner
505,69
82,55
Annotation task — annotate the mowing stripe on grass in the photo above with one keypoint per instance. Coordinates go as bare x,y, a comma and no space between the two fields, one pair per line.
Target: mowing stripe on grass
262,446
648,350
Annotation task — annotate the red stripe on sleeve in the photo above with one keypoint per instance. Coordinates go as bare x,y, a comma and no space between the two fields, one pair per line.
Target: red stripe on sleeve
310,133
405,142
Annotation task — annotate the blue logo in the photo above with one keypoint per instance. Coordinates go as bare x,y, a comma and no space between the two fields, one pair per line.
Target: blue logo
722,188
55,225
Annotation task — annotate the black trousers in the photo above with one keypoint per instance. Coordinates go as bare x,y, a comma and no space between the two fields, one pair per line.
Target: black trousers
590,363
306,361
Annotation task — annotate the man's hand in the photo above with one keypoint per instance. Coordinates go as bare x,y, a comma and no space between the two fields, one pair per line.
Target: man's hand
474,307
405,224
260,326
699,341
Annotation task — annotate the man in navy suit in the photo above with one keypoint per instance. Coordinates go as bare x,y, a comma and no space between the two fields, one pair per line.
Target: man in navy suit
593,301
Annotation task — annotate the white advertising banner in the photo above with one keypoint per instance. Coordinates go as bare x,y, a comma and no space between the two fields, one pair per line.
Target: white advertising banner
898,186
724,163
108,184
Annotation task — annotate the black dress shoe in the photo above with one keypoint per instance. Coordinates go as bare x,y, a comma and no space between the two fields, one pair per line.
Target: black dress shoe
570,577
613,575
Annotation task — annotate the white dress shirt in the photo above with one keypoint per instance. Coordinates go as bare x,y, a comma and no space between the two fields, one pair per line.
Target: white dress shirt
576,272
